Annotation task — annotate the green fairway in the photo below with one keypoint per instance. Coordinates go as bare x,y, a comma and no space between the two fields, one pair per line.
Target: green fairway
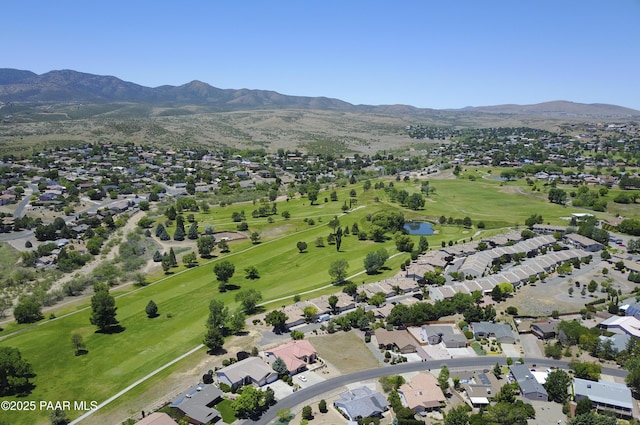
115,361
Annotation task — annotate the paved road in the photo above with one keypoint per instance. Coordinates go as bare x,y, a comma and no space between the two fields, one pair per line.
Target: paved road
301,396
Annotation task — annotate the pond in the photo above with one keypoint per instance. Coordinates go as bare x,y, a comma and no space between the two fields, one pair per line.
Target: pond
419,228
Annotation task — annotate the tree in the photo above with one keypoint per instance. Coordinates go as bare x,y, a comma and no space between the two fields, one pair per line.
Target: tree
302,246
166,263
592,286
218,314
172,258
557,196
374,261
223,245
591,418
27,311
557,385
338,270
58,417
206,245
193,231
278,320
213,339
251,273
249,300
77,343
586,370
443,379
103,308
151,309
255,238
224,270
497,370
457,416
423,244
190,259
284,415
309,313
333,302
279,366
14,372
249,403
237,322
322,406
583,406
178,235
307,413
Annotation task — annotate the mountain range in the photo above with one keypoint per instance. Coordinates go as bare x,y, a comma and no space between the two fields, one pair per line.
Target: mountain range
67,86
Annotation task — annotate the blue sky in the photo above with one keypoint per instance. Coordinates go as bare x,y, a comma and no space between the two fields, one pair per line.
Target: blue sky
426,53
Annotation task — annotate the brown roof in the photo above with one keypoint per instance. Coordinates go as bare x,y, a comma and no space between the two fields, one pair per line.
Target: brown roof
157,419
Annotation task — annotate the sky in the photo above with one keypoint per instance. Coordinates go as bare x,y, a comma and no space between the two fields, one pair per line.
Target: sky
426,53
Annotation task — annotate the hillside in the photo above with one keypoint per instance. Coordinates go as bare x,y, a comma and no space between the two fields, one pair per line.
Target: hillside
68,86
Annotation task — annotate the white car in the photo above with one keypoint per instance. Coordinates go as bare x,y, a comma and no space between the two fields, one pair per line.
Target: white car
302,378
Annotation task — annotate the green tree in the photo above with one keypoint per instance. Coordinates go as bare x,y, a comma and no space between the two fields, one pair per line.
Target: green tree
423,244
151,309
27,311
583,406
278,320
307,413
338,270
236,322
279,366
251,273
249,300
58,417
206,244
224,270
302,246
172,258
190,259
255,238
14,372
309,313
557,385
77,343
457,416
333,302
103,308
443,379
193,231
213,339
249,403
375,260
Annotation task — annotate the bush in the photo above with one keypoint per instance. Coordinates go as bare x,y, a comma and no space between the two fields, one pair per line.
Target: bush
512,310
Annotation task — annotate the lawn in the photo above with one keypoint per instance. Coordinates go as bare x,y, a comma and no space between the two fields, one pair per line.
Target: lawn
228,415
115,361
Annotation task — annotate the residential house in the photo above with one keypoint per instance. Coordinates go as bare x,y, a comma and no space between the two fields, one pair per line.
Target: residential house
629,325
422,393
197,403
618,341
582,242
501,332
249,371
361,403
545,330
605,396
530,388
479,388
296,355
397,340
436,334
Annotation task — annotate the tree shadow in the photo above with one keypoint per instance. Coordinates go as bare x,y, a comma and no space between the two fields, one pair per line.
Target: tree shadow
218,352
151,316
82,352
115,329
232,287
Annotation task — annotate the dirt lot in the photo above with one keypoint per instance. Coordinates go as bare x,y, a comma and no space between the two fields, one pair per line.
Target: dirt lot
552,294
353,355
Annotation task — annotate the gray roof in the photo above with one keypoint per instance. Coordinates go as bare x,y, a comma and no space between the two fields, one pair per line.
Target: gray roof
361,402
196,400
252,367
499,330
618,341
603,392
527,382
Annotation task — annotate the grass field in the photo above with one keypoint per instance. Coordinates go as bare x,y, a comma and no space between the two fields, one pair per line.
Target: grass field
115,361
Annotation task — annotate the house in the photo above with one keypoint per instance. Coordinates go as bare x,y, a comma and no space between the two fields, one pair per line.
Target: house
530,388
501,332
618,341
422,393
249,371
7,198
480,388
197,402
361,403
396,340
545,330
157,418
627,324
582,242
296,355
604,395
435,334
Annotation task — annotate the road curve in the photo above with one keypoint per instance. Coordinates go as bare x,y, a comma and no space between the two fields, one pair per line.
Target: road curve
316,390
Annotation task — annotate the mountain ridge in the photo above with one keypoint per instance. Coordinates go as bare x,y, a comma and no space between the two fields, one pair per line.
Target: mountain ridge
68,86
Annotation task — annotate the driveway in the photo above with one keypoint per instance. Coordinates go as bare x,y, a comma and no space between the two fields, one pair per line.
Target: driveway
530,346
